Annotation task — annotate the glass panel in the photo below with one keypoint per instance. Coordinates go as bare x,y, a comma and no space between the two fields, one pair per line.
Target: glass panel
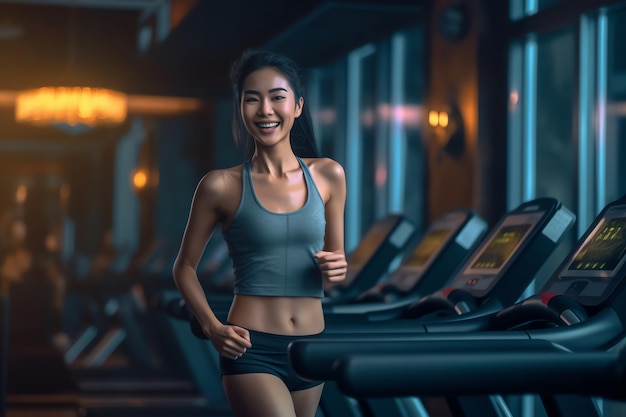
519,9
367,119
616,106
555,174
411,135
324,112
556,86
516,9
544,4
515,129
587,79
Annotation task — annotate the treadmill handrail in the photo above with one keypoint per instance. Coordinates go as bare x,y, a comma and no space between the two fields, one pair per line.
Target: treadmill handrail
315,358
485,372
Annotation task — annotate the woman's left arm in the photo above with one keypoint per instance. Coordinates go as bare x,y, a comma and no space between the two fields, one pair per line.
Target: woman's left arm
332,259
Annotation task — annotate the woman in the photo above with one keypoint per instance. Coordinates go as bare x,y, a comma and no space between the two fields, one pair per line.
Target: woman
281,213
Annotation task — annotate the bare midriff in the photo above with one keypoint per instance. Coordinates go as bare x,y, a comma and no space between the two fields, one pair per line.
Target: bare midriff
297,316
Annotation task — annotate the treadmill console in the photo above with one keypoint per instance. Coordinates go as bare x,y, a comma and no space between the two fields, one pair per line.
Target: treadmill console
484,268
366,248
370,261
436,238
594,270
404,277
374,238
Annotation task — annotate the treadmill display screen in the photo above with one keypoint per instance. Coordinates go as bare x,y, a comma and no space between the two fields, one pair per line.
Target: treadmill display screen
428,247
604,249
374,237
501,247
365,250
503,244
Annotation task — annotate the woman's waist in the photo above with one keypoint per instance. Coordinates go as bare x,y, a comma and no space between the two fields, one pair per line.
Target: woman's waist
278,315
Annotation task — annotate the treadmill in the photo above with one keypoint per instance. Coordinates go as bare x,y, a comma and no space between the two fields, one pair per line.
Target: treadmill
386,240
517,248
438,255
567,339
494,276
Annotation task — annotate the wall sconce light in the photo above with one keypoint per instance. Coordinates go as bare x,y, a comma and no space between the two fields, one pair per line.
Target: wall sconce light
21,193
139,180
447,127
143,180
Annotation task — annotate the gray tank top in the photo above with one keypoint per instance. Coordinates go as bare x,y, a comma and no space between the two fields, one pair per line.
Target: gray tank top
272,253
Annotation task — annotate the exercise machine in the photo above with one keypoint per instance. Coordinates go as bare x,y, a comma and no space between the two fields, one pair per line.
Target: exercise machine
549,343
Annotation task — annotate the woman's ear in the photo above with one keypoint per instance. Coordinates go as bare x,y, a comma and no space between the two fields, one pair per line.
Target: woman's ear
299,105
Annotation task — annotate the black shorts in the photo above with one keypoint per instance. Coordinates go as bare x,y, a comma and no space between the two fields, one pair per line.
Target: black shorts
268,355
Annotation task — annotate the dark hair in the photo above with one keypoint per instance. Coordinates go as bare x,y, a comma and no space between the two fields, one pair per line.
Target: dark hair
302,134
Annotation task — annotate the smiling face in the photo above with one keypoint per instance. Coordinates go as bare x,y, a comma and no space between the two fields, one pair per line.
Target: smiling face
269,106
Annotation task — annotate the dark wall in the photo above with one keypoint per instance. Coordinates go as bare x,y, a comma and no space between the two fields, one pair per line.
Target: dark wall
466,69
185,152
69,46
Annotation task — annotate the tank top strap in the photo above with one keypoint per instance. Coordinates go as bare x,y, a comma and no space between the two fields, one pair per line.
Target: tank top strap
308,178
246,184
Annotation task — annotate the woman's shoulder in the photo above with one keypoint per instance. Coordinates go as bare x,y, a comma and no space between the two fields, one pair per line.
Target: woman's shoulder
218,181
326,167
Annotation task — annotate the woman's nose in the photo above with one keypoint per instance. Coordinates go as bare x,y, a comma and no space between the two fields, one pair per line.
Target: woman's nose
266,107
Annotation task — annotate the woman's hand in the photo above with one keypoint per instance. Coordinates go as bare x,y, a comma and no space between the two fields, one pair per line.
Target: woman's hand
230,341
333,265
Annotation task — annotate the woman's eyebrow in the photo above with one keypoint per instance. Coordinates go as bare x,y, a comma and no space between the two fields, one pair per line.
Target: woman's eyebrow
273,90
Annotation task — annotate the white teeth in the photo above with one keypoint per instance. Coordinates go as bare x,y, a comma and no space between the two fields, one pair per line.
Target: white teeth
268,125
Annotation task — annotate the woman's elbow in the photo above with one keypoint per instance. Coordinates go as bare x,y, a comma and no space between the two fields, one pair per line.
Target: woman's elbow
178,269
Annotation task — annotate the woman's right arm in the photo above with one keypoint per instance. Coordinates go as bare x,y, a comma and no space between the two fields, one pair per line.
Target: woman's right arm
203,218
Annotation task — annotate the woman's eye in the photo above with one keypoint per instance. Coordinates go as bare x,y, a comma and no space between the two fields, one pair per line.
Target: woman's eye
277,98
250,99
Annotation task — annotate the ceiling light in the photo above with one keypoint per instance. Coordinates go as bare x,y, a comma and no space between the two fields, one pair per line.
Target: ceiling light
71,106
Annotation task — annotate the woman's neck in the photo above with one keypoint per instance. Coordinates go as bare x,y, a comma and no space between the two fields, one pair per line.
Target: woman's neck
275,164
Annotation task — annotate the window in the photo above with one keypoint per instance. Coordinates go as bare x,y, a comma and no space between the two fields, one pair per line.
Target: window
542,83
522,8
366,108
615,169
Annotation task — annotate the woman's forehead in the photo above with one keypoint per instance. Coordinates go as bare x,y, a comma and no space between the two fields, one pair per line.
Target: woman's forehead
265,79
